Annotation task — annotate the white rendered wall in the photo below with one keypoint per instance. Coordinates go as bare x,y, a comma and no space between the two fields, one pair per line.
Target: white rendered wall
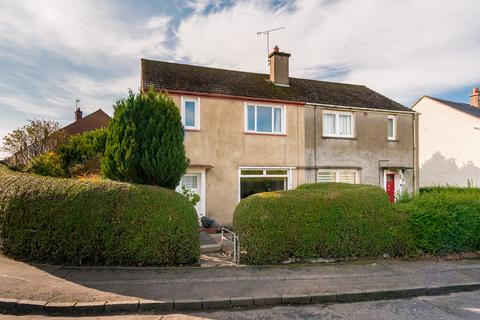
449,145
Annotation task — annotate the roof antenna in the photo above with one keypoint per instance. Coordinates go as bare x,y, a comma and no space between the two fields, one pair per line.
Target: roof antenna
267,32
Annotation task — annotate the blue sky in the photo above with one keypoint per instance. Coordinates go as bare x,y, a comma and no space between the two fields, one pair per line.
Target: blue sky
53,51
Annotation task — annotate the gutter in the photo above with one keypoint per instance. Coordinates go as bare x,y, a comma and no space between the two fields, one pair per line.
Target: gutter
323,105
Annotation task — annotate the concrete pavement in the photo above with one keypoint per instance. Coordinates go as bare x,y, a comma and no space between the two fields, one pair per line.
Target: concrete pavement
219,284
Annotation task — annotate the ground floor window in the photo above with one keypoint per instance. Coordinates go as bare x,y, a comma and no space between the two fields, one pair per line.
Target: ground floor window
256,180
338,175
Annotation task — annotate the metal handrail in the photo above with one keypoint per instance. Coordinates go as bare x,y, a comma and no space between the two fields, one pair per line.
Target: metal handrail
226,233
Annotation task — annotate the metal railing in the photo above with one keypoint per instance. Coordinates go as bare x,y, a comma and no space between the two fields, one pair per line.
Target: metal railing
230,245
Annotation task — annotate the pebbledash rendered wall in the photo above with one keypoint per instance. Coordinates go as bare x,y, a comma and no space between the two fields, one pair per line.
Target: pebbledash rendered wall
223,147
366,148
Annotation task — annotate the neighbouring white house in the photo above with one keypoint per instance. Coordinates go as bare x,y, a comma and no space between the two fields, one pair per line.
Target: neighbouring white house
449,141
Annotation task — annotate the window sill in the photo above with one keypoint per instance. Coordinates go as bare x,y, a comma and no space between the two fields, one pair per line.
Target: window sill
191,129
393,140
266,134
338,137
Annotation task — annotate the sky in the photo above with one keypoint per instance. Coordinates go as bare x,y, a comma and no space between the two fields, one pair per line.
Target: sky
53,52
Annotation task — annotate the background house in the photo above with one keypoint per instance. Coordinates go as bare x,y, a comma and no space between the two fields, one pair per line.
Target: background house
449,141
95,120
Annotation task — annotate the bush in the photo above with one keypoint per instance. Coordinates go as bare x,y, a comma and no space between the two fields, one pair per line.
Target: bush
145,141
446,220
319,221
73,222
448,188
81,154
47,164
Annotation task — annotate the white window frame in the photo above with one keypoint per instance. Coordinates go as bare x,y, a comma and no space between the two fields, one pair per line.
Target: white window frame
197,112
394,129
337,115
264,175
283,109
337,174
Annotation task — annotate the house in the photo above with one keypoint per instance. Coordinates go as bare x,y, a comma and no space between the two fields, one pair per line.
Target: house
250,132
95,120
449,141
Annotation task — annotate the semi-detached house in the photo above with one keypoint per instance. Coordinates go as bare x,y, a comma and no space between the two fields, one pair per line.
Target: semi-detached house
251,132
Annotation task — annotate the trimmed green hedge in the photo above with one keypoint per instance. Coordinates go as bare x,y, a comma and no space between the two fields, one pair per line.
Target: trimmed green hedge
62,221
319,221
448,188
446,220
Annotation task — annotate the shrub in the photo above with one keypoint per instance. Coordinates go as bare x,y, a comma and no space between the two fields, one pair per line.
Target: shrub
446,220
145,141
448,188
47,164
81,154
319,221
76,222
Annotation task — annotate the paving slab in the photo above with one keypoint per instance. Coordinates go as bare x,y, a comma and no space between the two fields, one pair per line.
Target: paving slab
120,289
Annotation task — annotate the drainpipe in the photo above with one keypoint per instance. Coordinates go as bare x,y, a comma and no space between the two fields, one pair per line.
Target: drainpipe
380,172
315,141
415,166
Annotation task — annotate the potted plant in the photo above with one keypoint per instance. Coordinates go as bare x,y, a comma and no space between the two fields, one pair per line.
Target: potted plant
207,225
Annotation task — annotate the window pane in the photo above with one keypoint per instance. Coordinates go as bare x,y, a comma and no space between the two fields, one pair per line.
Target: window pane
348,177
251,172
189,114
277,119
390,128
327,176
276,172
249,186
251,118
264,119
345,125
189,182
328,123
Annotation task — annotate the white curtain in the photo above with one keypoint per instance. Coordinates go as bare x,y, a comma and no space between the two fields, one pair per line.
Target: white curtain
328,123
345,125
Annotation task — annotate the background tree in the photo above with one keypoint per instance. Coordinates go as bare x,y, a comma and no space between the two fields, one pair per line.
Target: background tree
145,141
33,139
82,153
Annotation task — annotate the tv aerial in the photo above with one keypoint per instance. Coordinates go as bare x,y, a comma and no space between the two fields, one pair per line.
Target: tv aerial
267,33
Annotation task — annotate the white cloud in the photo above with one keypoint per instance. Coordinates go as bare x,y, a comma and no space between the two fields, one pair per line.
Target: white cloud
31,108
85,32
403,49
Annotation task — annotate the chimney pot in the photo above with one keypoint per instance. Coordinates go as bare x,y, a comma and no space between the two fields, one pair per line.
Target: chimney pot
475,98
279,67
78,114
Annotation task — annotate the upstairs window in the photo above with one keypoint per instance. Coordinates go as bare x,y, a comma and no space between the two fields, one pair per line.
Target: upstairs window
264,119
391,127
190,112
338,124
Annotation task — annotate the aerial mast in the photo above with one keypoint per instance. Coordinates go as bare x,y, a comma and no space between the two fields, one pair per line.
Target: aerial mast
267,33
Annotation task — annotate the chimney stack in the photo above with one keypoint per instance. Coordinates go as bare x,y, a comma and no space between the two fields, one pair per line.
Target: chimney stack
279,67
78,114
475,98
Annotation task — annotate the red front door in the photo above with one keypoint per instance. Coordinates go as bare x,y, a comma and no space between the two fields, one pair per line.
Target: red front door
391,186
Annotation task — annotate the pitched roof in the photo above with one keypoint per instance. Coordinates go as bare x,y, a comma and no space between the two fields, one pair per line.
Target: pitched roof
95,120
463,107
182,77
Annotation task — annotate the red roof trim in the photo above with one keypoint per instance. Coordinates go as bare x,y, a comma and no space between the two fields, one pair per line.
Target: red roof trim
229,97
